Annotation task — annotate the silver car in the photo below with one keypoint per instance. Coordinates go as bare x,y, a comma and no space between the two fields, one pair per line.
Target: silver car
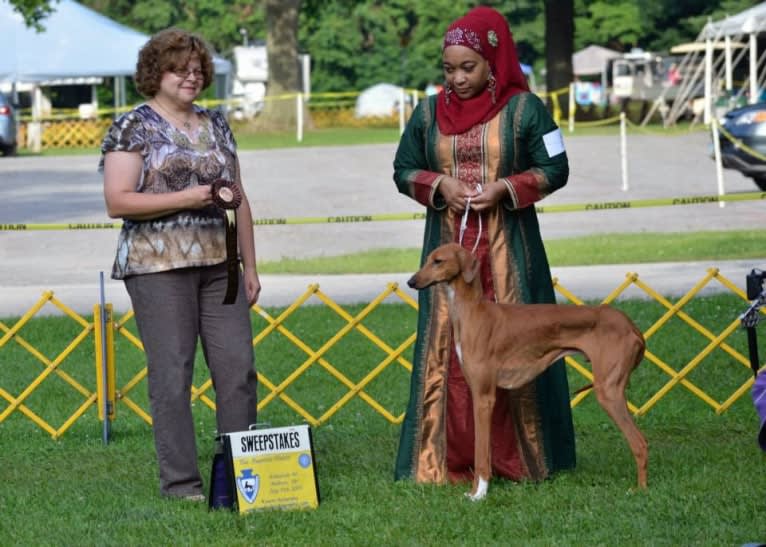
7,127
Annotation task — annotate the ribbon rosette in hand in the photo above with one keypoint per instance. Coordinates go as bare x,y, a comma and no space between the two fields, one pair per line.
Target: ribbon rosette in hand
226,194
228,197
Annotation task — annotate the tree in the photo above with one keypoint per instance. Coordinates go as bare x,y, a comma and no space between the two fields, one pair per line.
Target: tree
559,40
618,25
33,12
218,22
327,31
282,51
356,43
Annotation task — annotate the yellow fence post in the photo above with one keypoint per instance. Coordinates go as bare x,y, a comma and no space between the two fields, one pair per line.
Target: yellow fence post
111,370
105,370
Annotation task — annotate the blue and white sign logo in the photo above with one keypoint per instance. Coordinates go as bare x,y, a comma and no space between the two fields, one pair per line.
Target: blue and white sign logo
248,485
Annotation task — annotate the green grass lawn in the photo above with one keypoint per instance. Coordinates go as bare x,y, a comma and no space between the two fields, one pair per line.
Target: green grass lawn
581,251
707,484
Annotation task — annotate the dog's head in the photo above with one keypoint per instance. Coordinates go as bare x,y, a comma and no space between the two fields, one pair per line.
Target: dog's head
444,264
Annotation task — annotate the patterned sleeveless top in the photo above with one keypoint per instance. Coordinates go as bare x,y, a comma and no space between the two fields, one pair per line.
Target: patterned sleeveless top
171,162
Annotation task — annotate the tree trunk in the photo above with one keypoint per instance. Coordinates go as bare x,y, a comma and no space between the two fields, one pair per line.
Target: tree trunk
279,113
559,46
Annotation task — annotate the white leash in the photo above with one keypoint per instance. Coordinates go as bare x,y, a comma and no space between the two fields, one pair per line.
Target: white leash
464,223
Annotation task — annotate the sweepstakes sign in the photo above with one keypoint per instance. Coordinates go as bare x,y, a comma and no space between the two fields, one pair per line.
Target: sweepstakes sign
273,468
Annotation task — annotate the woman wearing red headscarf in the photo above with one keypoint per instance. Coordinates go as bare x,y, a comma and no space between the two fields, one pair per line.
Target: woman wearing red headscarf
487,145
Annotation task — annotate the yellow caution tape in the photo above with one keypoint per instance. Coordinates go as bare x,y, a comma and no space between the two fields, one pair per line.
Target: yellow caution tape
739,144
351,219
657,202
595,123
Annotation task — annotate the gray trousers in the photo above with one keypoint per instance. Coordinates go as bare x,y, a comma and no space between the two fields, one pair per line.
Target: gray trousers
173,309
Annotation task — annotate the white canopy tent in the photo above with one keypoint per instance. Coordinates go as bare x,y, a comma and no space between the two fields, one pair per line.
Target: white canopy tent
592,60
587,63
78,44
748,23
744,22
715,59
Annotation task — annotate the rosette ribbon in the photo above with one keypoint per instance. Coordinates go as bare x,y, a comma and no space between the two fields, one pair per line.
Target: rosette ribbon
226,196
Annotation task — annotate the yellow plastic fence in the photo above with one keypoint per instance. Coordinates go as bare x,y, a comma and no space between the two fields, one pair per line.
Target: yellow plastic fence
70,133
52,367
66,363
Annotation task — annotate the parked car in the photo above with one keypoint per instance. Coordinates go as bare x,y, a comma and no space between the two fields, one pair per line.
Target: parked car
747,125
7,127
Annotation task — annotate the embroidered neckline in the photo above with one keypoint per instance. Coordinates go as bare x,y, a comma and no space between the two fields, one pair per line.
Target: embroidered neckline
204,140
202,134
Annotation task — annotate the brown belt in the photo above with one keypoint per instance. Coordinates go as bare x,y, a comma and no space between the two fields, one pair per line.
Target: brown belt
227,196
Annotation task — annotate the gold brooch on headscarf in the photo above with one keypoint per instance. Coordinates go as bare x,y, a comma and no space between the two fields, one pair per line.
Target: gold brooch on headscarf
492,38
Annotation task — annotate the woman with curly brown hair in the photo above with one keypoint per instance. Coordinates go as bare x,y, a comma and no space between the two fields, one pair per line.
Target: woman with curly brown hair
171,173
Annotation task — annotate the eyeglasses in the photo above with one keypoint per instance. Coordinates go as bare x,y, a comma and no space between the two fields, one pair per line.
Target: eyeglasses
185,73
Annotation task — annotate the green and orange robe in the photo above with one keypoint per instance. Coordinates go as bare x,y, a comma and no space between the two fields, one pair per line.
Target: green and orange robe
532,433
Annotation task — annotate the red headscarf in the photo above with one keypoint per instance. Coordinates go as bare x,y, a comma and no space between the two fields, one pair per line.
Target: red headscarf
485,31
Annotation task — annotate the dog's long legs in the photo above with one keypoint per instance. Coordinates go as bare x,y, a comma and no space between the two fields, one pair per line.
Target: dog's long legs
483,405
612,399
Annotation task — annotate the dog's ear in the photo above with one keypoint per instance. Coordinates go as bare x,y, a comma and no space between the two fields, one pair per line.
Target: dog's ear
469,266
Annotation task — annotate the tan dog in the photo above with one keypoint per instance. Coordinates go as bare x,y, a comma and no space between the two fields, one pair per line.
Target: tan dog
509,345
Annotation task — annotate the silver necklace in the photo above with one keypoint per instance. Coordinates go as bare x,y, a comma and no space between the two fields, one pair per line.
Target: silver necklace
187,124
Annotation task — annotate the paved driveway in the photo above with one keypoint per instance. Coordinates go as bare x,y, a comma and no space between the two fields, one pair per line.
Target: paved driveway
318,182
